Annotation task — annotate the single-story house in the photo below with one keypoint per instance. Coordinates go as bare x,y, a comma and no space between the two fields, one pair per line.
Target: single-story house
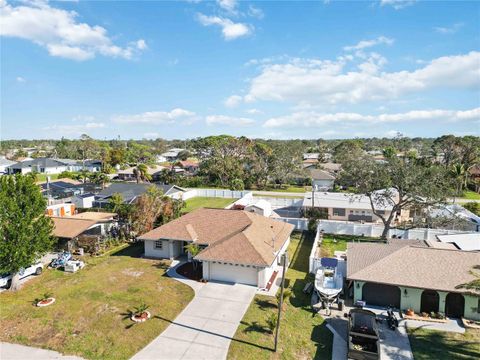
191,167
84,201
63,188
421,278
236,246
310,156
131,191
70,228
129,174
4,163
322,180
45,165
60,210
466,242
333,168
465,220
348,207
309,163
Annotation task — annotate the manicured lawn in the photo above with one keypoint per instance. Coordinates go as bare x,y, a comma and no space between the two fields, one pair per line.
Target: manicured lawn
43,177
210,202
332,243
86,319
302,336
471,195
440,345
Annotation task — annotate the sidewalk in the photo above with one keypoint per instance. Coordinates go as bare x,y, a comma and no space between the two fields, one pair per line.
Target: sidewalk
19,352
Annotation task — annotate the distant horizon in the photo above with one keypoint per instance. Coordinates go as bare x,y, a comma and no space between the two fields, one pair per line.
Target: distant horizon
276,70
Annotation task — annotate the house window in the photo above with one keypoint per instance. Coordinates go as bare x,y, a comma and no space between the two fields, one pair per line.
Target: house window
159,245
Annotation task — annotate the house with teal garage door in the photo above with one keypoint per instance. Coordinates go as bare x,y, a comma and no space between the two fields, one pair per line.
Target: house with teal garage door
418,277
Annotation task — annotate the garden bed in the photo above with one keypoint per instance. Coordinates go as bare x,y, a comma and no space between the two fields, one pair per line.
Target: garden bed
471,324
423,318
189,272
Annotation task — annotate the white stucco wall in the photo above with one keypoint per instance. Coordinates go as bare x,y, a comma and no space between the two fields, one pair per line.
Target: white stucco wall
150,250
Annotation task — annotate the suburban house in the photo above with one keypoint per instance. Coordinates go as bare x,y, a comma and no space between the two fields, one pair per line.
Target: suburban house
236,246
322,180
53,166
466,242
191,167
62,188
309,163
332,168
462,218
83,201
4,163
311,156
348,207
131,191
416,277
129,174
172,154
60,210
69,229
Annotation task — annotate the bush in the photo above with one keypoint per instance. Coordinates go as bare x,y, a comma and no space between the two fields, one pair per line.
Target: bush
272,322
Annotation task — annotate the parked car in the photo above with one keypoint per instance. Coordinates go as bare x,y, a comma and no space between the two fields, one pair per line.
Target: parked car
35,269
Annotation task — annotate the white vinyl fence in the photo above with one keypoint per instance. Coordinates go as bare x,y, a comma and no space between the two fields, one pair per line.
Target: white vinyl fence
222,193
282,202
299,223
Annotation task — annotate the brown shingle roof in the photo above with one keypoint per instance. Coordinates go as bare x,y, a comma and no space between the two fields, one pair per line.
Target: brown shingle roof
69,227
231,235
412,266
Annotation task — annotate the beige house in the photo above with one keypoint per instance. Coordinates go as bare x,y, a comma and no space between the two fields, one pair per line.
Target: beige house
236,246
418,277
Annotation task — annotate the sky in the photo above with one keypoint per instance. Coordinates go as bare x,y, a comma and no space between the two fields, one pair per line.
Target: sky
280,70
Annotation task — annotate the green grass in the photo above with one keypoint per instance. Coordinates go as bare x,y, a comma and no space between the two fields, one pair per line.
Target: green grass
302,336
470,195
442,345
43,177
210,202
332,243
87,318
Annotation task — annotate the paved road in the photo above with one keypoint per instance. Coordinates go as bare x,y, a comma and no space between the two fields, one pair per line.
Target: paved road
204,329
21,352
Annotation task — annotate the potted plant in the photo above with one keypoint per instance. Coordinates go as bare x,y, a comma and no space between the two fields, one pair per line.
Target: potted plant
424,314
409,312
141,314
45,300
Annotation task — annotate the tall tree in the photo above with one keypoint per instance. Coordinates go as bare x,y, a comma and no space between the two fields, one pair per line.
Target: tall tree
398,184
25,230
141,173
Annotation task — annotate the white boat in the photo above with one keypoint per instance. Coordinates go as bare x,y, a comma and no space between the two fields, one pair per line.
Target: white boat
328,282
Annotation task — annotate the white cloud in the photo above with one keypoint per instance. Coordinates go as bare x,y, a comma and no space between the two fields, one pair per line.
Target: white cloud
328,82
228,120
154,117
254,111
397,4
73,129
315,119
228,5
20,79
230,29
369,43
233,101
151,135
84,118
255,12
449,30
60,33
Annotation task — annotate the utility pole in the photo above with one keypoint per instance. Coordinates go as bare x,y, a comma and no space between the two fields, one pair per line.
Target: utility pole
284,261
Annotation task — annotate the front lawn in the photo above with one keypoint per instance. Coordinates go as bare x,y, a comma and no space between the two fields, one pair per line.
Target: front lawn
334,242
208,202
86,319
470,195
442,345
302,336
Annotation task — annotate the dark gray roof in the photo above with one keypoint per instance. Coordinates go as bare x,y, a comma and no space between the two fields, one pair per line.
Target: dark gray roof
130,191
43,162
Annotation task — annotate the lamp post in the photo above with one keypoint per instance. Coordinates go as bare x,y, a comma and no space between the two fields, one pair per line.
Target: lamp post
284,264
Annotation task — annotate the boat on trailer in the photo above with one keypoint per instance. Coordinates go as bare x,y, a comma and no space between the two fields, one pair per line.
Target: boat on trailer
328,281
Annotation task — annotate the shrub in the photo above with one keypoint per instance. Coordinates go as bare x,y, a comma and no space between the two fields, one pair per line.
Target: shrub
272,322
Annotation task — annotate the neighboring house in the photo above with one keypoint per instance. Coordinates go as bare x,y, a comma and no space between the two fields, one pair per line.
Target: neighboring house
60,210
160,159
236,246
261,207
311,156
129,174
309,163
332,168
322,180
471,222
466,242
53,166
422,278
172,154
84,201
62,188
131,191
4,163
69,228
191,167
348,207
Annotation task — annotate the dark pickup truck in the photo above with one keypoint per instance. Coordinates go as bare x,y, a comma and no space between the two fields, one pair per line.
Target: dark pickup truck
363,340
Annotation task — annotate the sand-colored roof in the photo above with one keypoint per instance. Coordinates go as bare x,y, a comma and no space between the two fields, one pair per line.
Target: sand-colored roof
70,227
234,236
65,180
411,266
94,215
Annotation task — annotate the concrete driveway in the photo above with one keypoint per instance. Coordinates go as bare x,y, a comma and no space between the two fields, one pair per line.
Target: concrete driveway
204,329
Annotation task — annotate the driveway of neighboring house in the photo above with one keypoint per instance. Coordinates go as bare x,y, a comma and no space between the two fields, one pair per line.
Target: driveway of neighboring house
204,329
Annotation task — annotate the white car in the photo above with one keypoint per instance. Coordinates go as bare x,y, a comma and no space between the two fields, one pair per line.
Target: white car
37,269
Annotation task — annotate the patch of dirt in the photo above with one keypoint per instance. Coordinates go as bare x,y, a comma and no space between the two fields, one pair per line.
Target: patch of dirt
132,272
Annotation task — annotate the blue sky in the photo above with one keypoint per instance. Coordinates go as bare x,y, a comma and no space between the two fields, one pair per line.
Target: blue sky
318,69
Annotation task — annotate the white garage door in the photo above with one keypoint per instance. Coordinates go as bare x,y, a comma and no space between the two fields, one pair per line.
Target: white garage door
234,274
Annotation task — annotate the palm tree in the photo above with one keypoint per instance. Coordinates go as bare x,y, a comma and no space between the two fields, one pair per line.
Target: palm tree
141,173
460,175
193,249
475,283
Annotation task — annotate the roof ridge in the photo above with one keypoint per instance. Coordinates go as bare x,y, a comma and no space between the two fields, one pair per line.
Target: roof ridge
379,260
